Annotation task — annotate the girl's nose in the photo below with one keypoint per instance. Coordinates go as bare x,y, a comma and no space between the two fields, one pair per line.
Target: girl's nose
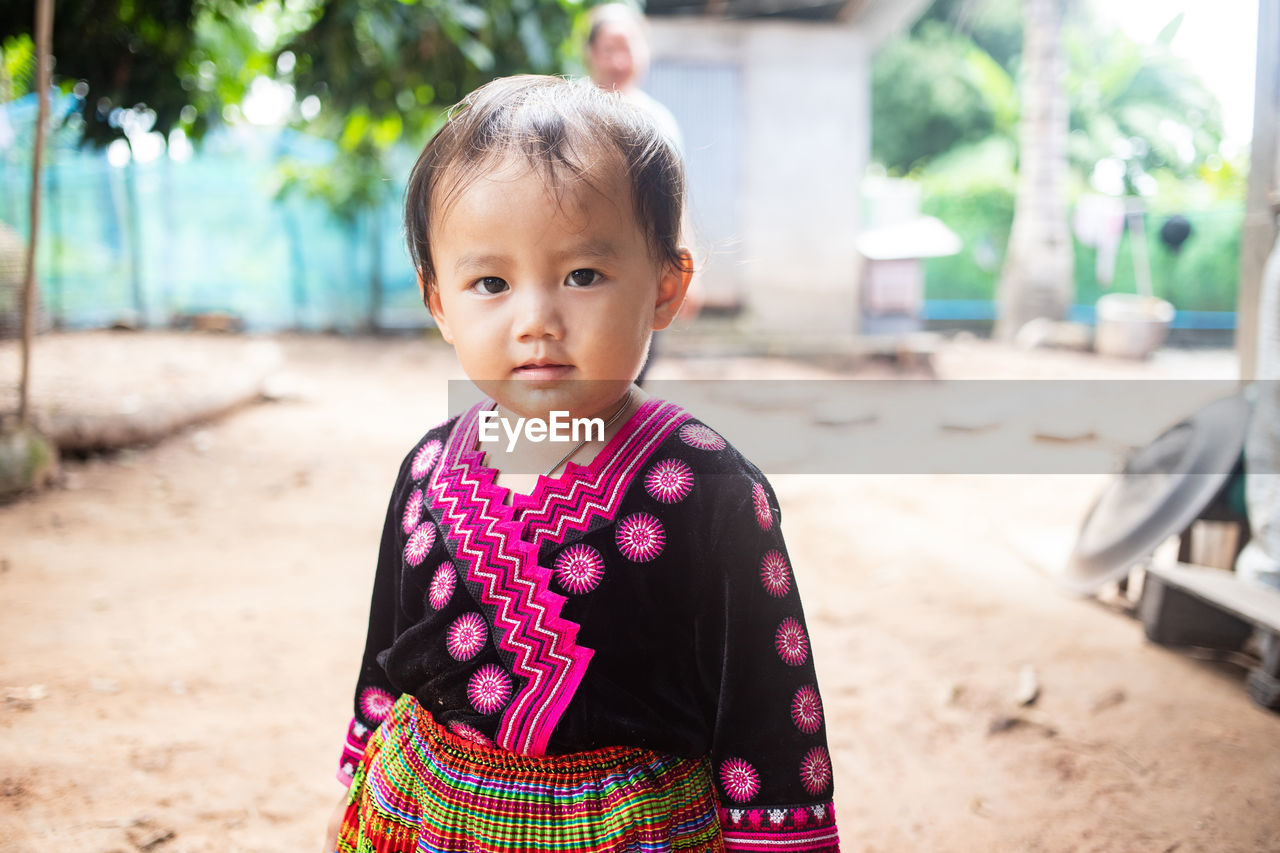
538,315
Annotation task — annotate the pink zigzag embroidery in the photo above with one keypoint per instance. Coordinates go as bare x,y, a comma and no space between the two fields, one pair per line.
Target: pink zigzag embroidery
569,504
487,541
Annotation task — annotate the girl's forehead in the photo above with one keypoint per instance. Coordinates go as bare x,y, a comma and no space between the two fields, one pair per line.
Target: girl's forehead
521,187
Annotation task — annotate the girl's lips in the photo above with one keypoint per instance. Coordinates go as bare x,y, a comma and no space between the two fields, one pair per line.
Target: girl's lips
543,371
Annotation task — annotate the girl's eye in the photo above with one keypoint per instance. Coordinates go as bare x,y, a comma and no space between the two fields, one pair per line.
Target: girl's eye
583,278
490,285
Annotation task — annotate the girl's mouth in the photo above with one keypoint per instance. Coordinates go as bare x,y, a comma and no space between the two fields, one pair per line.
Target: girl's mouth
543,371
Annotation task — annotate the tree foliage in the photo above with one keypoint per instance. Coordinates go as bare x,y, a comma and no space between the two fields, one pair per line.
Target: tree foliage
381,73
950,82
1139,104
369,75
927,98
122,54
995,26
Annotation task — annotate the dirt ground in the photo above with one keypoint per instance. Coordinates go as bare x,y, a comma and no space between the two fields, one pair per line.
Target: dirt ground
182,626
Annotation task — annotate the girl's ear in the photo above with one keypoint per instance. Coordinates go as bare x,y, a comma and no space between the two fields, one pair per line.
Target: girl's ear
431,297
672,288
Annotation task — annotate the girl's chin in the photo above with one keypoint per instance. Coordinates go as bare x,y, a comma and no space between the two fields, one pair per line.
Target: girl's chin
579,399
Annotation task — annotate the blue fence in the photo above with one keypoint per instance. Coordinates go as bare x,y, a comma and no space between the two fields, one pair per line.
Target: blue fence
151,241
984,310
168,237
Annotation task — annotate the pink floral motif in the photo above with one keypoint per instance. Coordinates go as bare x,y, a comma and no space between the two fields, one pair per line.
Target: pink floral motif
424,459
739,779
579,568
375,704
669,481
641,537
470,733
466,636
701,437
791,642
412,512
764,516
775,573
806,709
442,583
489,689
419,544
815,770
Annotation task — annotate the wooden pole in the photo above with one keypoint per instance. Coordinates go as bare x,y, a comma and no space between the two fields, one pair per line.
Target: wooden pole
1264,183
44,39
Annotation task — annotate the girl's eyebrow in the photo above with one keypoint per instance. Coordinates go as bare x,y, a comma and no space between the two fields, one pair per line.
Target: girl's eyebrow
598,250
471,261
594,249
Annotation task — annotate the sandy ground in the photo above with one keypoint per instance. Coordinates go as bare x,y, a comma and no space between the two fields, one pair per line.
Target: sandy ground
182,626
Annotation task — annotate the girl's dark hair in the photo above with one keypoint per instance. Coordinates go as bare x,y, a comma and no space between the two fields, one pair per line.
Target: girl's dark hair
563,129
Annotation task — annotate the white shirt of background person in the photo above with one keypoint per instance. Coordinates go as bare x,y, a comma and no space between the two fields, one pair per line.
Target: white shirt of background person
617,59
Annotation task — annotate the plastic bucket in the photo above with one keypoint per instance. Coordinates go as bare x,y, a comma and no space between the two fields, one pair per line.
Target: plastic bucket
1130,325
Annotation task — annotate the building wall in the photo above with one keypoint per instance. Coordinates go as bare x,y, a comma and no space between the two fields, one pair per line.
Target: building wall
799,144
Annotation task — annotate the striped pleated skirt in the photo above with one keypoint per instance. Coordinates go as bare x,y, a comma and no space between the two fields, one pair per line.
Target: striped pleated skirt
421,789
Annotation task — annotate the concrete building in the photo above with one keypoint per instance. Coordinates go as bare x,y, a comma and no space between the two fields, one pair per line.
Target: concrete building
774,100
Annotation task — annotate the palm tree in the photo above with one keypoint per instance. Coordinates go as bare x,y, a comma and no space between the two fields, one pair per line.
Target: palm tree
1038,279
1143,95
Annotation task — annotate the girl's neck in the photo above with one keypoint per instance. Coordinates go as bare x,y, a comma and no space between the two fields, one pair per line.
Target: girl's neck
520,465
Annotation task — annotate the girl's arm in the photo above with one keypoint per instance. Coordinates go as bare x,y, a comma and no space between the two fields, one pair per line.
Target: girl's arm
374,694
769,746
334,826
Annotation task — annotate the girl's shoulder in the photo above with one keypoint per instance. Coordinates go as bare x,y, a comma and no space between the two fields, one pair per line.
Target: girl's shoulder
711,459
706,494
427,450
706,445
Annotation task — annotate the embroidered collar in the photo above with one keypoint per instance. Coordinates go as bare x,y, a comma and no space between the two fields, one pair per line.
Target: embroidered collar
495,548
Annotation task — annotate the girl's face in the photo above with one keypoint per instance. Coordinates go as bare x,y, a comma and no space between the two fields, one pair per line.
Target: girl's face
549,299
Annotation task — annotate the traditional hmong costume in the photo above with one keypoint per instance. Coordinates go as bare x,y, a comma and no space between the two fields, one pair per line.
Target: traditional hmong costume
617,661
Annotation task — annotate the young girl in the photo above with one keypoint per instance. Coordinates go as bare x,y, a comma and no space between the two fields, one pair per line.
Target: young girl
591,645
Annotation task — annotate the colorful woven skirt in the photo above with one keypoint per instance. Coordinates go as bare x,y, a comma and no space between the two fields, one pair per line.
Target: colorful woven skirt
421,789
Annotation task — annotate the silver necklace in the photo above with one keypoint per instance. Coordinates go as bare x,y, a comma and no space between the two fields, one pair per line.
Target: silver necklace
626,402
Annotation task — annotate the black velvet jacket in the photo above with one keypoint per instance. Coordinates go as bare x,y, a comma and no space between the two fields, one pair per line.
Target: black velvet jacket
643,600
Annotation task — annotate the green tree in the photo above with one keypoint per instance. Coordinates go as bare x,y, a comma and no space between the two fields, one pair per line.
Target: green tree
995,26
1139,103
928,97
121,54
950,83
372,76
376,77
377,74
380,71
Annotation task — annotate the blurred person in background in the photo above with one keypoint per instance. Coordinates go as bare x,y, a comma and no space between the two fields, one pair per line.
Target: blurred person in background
617,59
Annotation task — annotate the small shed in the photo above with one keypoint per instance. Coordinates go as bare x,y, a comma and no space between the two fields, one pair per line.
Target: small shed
774,102
893,272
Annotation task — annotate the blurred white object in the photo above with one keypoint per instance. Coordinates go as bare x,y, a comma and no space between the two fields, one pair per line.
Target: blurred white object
1260,559
1130,325
1099,223
892,285
923,237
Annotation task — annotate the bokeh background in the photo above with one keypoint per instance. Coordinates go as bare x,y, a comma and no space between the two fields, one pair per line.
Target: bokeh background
880,190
